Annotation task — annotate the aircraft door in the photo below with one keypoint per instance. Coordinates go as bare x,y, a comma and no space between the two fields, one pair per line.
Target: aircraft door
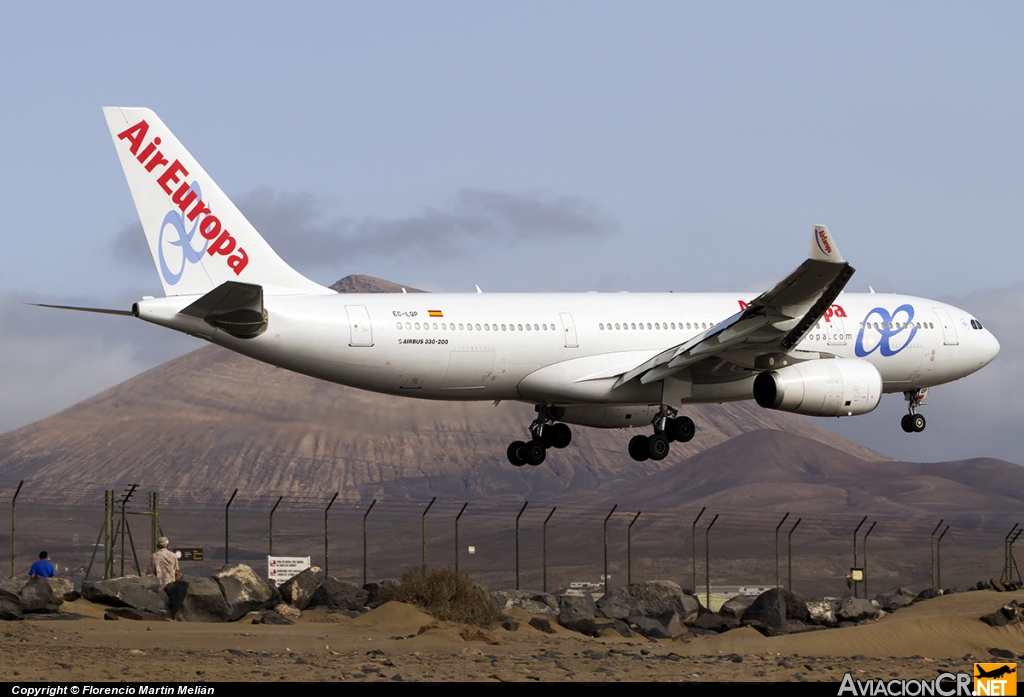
359,325
949,337
569,329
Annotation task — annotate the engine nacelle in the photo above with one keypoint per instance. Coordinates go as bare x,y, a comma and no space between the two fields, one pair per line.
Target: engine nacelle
826,387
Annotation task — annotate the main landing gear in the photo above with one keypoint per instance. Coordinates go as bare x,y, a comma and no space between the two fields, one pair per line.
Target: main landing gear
666,430
544,434
914,422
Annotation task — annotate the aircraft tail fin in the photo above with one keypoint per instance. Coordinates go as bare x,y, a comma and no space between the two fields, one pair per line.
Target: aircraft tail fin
198,238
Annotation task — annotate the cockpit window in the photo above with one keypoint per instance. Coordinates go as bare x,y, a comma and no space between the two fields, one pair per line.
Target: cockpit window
976,324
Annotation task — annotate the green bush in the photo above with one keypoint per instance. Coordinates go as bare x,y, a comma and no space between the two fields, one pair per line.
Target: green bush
445,595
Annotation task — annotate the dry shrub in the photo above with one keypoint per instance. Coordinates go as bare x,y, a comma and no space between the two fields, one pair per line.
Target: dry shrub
445,595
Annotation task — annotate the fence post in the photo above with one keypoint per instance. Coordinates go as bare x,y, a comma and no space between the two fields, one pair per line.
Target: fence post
227,526
693,543
271,552
457,535
855,531
108,523
154,510
873,524
777,548
372,504
1013,562
938,556
545,550
941,521
423,536
525,504
326,538
1005,574
606,547
629,550
789,552
707,563
14,518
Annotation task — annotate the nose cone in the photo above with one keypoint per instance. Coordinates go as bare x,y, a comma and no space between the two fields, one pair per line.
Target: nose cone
990,347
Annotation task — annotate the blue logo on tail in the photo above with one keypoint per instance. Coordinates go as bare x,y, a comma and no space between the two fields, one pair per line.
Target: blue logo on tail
189,255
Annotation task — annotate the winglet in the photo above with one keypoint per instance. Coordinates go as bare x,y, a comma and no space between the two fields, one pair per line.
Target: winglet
823,248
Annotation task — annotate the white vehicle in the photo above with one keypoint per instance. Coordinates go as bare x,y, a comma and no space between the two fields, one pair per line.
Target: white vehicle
593,359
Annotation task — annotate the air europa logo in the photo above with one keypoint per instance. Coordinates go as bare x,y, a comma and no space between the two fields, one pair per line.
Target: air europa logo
188,198
823,244
888,327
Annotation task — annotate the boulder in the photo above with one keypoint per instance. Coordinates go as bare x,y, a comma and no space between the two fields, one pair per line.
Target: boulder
195,599
855,610
796,608
650,628
542,625
130,613
618,604
734,607
64,588
716,622
142,593
287,611
244,591
271,617
534,602
343,596
10,599
377,589
768,610
823,612
298,591
899,598
577,612
37,597
928,594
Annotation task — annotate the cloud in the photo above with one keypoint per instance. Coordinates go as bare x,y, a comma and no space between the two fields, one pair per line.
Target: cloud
297,229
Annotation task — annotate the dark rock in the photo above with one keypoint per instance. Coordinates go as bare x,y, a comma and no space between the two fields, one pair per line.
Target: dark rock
339,595
899,598
984,586
618,604
298,591
534,602
659,599
10,598
509,624
109,615
734,607
542,625
195,599
1002,653
142,593
577,613
768,610
377,590
716,622
765,629
855,610
271,617
650,628
244,591
130,613
796,608
928,594
38,597
622,628
64,589
996,619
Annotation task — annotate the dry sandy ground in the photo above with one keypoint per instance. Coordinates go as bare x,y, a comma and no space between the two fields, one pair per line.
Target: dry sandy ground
386,644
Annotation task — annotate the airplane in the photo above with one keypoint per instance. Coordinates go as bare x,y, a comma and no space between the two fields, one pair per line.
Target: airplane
604,360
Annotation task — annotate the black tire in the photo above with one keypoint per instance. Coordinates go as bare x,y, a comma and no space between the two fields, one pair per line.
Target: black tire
905,423
517,453
534,453
918,423
547,438
681,429
657,446
638,448
561,435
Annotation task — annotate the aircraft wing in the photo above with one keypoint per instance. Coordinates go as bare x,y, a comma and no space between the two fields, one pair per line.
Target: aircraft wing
773,323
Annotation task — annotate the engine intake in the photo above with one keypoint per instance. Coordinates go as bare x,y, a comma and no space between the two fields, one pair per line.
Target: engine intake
827,387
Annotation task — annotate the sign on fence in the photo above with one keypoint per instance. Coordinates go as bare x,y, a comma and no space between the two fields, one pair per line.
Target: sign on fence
280,569
194,554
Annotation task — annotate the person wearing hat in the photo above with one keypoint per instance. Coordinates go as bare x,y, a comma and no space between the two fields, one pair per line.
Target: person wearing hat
164,563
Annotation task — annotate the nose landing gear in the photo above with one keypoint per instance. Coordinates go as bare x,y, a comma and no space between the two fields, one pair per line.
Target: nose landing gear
666,430
544,434
914,422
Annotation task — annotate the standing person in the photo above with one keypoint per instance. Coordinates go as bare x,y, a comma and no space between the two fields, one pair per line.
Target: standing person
42,568
164,563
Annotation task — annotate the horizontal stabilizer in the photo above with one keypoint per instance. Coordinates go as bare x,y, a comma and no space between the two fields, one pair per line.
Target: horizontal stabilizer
98,310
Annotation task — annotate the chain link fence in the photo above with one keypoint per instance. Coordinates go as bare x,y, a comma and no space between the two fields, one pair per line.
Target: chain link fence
502,544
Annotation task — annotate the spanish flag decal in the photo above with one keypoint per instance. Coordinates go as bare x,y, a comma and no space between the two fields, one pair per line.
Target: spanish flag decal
435,313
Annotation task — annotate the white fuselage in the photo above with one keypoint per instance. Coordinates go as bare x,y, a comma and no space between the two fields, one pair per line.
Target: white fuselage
567,349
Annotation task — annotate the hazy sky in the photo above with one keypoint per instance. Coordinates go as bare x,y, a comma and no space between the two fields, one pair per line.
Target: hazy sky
526,146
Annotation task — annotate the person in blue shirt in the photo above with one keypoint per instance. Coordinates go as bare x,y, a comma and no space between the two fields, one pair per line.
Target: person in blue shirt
42,568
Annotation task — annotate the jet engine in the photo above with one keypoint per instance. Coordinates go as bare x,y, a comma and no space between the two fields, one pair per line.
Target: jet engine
826,387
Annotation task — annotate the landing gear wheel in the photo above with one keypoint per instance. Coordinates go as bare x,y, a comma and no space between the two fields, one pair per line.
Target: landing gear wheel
534,453
917,422
657,446
547,438
681,429
638,448
561,435
905,423
517,453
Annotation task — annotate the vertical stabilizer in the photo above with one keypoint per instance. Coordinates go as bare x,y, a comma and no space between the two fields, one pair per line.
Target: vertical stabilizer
197,236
